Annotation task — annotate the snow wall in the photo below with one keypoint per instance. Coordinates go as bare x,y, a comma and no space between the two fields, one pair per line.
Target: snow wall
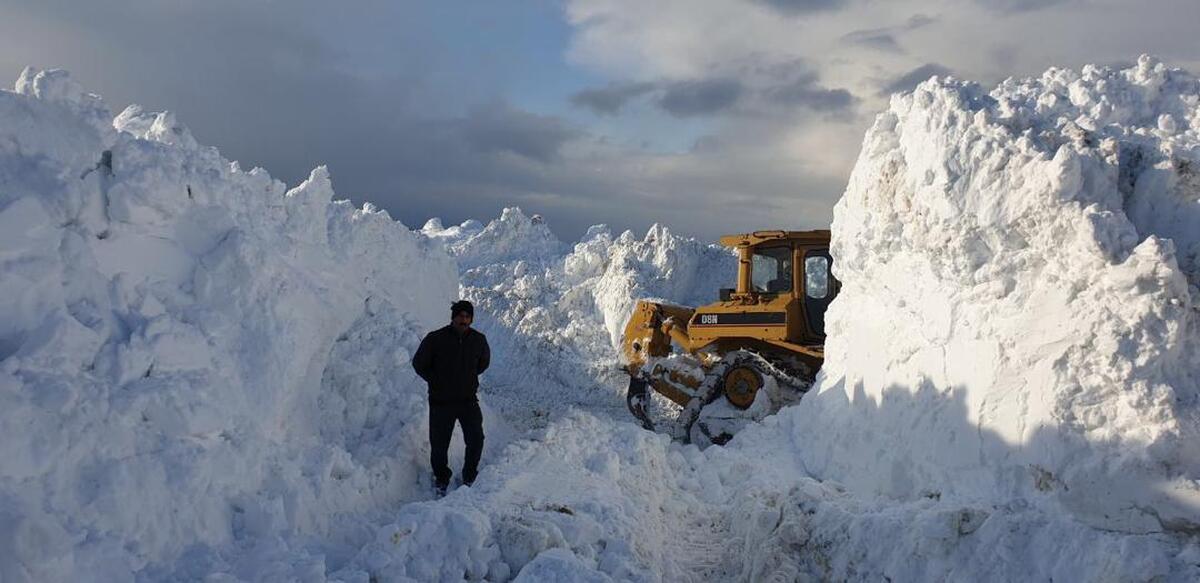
192,356
1018,320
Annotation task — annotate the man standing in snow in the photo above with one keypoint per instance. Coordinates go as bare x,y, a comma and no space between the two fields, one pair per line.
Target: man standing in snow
450,360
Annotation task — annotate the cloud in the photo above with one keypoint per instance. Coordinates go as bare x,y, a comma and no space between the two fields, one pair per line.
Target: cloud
918,21
911,79
806,93
810,81
753,109
609,100
503,129
802,6
879,38
886,38
287,88
700,97
756,91
1018,5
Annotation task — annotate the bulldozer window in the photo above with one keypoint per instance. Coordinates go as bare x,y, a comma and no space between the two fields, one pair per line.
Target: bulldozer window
771,270
816,277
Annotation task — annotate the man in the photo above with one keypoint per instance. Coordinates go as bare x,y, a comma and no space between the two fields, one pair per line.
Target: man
450,360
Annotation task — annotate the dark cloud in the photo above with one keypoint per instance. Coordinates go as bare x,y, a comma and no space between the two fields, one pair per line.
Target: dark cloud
919,21
1018,5
878,38
911,79
792,7
700,97
503,129
609,100
784,86
760,90
886,39
805,92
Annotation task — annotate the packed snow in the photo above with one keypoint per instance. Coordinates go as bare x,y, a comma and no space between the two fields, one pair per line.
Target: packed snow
204,375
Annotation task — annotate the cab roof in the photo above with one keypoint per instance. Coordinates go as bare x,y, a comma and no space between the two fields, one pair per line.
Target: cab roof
759,237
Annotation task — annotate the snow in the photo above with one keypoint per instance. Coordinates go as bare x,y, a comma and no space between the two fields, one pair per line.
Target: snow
1010,387
556,312
1020,271
204,375
193,356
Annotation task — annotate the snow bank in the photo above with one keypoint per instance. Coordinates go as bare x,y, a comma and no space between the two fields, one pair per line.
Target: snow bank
555,314
192,356
1018,320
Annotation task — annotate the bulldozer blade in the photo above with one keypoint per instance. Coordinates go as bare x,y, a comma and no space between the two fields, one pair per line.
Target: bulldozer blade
635,398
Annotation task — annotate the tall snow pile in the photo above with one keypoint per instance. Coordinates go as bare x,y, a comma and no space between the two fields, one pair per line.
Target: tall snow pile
1018,320
192,357
555,314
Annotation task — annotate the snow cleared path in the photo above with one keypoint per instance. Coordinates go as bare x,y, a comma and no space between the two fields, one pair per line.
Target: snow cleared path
618,498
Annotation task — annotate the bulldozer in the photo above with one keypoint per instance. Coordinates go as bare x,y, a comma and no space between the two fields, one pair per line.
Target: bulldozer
756,349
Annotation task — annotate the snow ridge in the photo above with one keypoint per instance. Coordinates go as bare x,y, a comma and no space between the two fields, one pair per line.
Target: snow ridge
192,357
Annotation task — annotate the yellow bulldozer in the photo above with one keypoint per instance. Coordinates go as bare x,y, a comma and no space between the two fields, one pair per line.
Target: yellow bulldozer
753,351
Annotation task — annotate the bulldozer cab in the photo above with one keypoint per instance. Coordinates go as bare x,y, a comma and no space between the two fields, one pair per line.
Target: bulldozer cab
783,288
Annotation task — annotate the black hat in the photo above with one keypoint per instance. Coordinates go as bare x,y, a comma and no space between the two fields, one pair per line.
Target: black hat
462,306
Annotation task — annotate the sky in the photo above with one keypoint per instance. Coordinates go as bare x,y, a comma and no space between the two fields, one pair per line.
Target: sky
709,116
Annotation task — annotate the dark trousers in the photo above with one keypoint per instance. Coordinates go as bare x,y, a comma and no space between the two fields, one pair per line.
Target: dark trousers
441,426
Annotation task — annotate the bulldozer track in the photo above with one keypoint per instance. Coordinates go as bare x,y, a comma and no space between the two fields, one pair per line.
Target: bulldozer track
712,387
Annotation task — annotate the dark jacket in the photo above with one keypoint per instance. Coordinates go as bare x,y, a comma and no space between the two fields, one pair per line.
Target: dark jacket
451,363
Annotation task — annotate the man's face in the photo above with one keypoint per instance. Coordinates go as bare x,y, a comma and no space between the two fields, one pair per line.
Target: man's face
461,321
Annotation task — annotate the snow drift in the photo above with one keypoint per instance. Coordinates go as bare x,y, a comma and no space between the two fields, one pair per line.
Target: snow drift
192,356
1019,316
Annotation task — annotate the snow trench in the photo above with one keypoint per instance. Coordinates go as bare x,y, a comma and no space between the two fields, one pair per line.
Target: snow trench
204,374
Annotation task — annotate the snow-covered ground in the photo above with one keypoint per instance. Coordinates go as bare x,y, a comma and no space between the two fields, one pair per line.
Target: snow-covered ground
205,375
